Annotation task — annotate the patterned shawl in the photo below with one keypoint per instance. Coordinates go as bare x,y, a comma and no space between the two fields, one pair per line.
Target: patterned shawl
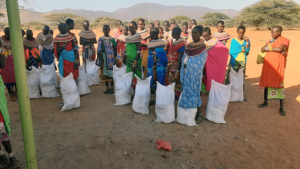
144,33
134,38
157,43
87,34
197,48
211,43
122,38
221,36
31,44
63,38
45,40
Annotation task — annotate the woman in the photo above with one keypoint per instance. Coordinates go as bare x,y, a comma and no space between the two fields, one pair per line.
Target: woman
121,46
47,46
107,50
87,40
32,54
272,75
133,53
8,72
221,35
191,72
176,49
215,66
239,50
185,33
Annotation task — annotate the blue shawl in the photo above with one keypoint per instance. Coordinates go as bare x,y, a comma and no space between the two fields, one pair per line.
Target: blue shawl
235,49
65,55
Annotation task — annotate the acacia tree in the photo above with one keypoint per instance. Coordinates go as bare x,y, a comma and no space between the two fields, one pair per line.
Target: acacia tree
180,19
271,13
59,17
101,21
211,18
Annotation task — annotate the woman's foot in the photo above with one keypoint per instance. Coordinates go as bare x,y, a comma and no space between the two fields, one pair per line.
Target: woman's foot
107,91
112,91
199,117
14,163
265,104
61,105
4,164
282,112
12,97
245,99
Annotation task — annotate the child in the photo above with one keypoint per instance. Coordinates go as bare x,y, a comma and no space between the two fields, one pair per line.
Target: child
47,46
221,35
87,40
190,27
32,53
144,50
150,26
161,33
167,30
107,51
185,33
157,62
66,52
157,24
4,127
121,46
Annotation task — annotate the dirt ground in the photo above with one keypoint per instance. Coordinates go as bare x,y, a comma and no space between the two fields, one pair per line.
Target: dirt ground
100,135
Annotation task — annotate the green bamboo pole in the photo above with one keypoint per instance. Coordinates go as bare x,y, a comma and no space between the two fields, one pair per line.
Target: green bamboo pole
21,79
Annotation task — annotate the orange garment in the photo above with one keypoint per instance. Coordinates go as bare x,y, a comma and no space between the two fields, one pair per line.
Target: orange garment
34,52
272,74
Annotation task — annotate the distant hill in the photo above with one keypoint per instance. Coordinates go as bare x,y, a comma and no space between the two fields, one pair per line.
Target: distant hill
151,11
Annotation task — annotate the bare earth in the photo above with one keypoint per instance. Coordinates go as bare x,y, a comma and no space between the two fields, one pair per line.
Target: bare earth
100,135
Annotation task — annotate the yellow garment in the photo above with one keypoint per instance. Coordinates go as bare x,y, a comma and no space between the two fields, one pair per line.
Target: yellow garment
261,56
145,54
241,56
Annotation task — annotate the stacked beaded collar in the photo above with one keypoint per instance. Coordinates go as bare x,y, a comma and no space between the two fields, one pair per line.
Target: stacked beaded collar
122,38
195,48
87,34
45,39
157,43
211,43
221,36
31,44
63,38
5,43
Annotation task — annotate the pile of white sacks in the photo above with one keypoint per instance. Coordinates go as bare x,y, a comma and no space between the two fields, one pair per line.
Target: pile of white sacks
219,97
42,83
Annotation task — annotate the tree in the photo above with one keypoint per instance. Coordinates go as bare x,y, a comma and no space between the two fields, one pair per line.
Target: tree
137,20
180,19
212,18
271,13
101,21
59,17
33,25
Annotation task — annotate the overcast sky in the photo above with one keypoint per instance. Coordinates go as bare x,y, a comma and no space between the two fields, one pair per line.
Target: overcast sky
111,5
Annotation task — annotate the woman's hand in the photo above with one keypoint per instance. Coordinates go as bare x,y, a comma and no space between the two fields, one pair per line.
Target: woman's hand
246,38
243,51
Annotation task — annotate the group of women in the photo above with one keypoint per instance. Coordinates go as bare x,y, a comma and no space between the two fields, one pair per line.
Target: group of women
190,56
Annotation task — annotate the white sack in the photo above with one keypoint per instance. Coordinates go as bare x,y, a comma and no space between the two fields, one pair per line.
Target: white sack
69,93
92,71
218,101
122,87
237,89
117,70
48,81
52,66
186,116
165,106
83,86
142,96
33,81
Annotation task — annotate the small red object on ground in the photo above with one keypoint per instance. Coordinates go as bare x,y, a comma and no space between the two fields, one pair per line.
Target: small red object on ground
163,145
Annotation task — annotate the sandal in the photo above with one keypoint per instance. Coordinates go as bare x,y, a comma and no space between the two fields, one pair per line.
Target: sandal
61,105
112,91
265,104
14,163
4,163
199,117
107,91
282,112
